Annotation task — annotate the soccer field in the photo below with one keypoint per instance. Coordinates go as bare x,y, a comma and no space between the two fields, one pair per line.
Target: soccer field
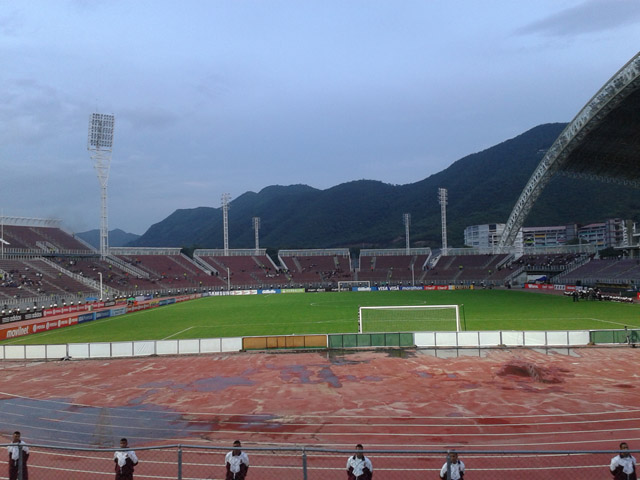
309,313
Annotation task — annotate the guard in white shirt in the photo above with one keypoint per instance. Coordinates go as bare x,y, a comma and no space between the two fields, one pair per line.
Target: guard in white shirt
359,467
14,458
623,466
125,460
457,467
237,463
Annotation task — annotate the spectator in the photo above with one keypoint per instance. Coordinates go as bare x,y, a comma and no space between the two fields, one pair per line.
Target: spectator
237,463
125,460
623,465
359,467
456,467
14,457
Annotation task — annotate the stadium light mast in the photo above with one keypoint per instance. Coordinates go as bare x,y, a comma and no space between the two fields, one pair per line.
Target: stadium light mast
2,240
100,146
225,219
442,198
256,229
407,222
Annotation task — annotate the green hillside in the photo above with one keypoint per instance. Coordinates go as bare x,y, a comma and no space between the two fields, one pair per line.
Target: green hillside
483,188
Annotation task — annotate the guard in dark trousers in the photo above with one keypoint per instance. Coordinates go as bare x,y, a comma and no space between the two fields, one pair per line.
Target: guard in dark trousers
359,467
237,463
125,460
623,466
14,458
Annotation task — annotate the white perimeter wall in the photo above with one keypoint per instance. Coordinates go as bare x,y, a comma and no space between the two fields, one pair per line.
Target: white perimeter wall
234,344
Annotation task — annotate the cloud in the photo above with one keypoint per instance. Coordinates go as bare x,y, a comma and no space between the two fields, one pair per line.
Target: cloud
34,112
154,118
590,16
11,22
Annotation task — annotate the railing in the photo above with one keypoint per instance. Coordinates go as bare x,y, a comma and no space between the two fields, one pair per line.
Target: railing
385,252
310,463
127,251
232,252
314,252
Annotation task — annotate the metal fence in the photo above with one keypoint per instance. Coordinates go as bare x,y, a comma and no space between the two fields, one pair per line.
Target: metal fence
191,462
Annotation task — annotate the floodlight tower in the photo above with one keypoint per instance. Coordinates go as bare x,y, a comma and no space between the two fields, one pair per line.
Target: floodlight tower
100,146
256,228
442,198
226,198
407,222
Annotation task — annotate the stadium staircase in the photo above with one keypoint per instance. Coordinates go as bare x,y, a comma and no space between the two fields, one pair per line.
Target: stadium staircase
204,266
127,267
92,284
47,247
296,262
580,261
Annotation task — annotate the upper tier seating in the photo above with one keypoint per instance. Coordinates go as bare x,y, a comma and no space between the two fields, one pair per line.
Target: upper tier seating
41,239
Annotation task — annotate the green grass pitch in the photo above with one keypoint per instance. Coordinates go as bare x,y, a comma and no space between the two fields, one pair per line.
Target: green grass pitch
309,313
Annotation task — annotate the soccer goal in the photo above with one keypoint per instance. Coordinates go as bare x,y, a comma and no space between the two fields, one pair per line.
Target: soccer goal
347,285
409,318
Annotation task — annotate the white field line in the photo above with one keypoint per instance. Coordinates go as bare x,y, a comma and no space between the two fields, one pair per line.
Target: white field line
178,333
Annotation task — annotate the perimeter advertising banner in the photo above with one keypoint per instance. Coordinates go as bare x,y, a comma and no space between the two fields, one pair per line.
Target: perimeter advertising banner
539,286
86,317
43,326
20,330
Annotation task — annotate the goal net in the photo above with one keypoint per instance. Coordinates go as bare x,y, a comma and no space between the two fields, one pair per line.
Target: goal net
347,285
410,318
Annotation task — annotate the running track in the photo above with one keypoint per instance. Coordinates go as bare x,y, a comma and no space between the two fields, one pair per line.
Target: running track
507,400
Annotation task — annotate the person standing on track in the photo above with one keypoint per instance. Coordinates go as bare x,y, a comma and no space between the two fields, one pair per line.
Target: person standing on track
125,460
623,465
359,467
237,463
456,466
14,458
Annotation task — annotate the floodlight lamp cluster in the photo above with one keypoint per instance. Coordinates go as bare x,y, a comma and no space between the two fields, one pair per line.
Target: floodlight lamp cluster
100,131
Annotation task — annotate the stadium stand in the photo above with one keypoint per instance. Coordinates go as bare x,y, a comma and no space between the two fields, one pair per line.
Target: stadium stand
166,268
469,269
241,268
620,271
316,267
36,277
41,239
387,266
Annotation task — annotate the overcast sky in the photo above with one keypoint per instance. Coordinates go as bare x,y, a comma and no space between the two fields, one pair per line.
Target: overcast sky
214,97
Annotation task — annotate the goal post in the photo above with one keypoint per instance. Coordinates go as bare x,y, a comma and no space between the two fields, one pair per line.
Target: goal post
409,318
347,285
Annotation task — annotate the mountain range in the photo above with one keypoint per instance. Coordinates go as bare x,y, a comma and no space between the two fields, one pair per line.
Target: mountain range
482,188
117,237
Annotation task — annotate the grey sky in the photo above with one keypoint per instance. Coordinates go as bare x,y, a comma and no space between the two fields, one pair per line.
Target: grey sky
231,96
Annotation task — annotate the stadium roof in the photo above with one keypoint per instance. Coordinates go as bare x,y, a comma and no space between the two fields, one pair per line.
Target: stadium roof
602,142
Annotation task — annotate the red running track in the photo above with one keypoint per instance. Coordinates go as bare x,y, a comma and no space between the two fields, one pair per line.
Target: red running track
507,400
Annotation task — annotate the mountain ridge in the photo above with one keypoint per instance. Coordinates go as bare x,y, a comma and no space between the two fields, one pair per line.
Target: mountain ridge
482,188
